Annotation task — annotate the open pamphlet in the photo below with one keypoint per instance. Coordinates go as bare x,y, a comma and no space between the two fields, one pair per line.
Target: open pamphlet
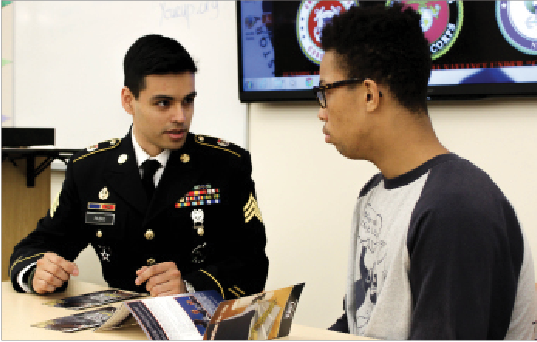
205,315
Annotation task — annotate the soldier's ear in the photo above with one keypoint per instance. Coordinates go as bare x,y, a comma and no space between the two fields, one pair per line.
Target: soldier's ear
127,100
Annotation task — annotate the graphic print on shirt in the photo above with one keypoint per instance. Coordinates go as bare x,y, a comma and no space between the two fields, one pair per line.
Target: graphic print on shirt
372,253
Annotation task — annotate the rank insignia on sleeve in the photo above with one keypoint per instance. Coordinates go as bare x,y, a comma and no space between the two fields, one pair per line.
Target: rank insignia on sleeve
200,195
251,209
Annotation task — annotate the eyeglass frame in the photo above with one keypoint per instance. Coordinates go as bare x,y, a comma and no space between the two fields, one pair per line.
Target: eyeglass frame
320,91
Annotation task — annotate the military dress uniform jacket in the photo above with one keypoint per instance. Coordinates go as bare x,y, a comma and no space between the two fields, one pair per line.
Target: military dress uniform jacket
203,216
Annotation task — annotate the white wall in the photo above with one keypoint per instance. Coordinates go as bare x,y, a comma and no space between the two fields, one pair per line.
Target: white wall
307,190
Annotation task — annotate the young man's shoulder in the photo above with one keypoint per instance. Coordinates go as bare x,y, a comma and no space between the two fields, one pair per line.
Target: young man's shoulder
460,181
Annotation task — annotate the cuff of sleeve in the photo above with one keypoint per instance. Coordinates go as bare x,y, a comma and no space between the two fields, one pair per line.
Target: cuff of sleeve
189,287
31,281
23,276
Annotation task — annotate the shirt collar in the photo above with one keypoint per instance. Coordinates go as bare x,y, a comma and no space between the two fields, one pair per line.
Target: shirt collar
142,155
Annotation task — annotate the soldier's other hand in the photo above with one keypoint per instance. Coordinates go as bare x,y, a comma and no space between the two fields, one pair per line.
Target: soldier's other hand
51,272
162,279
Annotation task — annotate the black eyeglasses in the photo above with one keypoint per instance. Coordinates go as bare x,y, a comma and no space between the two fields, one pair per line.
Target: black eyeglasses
320,91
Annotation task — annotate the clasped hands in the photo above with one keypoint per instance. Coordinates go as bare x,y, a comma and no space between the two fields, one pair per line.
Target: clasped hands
162,279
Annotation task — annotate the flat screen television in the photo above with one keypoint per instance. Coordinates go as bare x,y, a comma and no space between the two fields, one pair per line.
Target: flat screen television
479,48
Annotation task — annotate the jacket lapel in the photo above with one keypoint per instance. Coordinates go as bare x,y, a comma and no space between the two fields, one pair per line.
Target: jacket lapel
124,177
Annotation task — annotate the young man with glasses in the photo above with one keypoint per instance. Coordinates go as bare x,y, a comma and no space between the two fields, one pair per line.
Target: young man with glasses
187,222
437,251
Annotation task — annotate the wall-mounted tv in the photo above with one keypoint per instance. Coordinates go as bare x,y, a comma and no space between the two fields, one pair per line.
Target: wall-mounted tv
479,48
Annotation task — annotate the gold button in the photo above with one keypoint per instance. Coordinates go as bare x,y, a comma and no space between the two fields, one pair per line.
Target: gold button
185,158
99,233
201,138
149,235
150,262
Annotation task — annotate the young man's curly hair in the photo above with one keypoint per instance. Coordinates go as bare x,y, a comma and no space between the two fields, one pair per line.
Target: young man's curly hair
385,44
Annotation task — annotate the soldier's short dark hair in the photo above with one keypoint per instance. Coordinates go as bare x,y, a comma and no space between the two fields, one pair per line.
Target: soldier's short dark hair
154,55
385,44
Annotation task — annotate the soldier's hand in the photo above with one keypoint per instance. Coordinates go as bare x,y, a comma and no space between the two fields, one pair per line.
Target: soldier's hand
51,272
162,279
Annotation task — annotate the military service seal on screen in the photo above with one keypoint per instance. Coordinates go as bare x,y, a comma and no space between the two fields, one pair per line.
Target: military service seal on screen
312,16
517,21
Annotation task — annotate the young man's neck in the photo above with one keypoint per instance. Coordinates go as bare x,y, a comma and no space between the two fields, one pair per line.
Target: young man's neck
410,143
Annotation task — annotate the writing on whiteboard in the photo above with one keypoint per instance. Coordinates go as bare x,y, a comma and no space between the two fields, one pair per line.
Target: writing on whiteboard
187,10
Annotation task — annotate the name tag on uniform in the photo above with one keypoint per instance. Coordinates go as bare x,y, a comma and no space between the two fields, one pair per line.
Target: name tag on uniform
105,219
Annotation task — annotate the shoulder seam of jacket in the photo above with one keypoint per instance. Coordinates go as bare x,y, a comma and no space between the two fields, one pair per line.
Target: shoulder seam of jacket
97,151
199,141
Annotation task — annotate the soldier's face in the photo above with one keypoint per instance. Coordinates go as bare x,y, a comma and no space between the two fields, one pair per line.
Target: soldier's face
163,111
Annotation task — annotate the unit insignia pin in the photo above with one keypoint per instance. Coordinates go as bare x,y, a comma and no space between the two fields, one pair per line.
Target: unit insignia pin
197,218
222,142
185,158
122,158
103,194
92,148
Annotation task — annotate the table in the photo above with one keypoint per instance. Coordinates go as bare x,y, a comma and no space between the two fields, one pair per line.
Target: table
20,310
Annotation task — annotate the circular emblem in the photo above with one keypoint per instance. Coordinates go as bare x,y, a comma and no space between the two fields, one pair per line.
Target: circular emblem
311,18
441,22
517,21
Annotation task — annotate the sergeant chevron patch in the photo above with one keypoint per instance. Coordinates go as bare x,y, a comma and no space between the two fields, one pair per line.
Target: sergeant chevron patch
251,210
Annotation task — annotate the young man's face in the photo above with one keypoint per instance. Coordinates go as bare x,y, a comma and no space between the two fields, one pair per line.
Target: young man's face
163,111
344,116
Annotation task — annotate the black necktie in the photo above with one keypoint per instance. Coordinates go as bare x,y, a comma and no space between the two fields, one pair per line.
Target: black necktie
149,168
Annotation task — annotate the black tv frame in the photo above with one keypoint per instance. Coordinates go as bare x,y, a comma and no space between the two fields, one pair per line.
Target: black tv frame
435,92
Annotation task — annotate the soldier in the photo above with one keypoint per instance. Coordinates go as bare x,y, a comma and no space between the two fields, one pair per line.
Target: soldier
167,211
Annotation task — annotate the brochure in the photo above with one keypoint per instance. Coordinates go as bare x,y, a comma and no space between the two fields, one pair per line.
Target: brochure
80,321
89,300
205,315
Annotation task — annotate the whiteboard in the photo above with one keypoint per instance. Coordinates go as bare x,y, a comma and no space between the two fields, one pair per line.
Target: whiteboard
68,65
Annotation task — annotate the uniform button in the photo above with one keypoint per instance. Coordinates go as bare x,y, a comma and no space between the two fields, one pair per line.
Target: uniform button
150,262
149,235
99,233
